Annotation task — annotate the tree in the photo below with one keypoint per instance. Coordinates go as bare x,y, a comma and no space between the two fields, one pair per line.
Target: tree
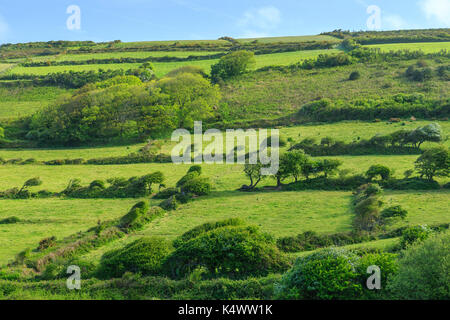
191,96
328,166
309,167
233,64
33,182
430,133
253,172
292,162
434,162
378,170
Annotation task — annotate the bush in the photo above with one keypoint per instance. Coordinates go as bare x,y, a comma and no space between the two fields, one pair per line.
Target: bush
324,275
46,243
170,203
235,252
414,234
395,211
355,75
424,271
201,229
166,193
136,212
144,256
378,170
97,184
10,220
388,264
233,64
197,186
187,177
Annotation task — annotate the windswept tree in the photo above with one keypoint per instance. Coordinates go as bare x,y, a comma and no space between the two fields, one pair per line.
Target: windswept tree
428,133
434,162
253,172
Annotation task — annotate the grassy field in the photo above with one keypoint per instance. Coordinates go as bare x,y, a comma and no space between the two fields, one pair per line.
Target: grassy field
126,54
163,68
291,39
272,94
52,217
22,101
427,47
4,67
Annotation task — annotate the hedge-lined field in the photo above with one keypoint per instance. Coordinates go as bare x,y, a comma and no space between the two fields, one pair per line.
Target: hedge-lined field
427,47
52,217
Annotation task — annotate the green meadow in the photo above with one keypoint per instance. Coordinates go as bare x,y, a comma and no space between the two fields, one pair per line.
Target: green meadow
427,47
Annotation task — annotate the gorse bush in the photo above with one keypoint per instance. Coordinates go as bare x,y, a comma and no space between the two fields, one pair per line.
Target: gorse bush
145,256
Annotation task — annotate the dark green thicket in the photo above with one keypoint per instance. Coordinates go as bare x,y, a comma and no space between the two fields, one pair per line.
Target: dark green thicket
232,251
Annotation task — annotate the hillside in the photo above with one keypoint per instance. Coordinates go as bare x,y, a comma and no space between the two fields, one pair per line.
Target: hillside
86,173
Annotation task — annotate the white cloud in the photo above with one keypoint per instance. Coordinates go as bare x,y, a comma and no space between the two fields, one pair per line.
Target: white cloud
394,22
438,10
4,29
263,18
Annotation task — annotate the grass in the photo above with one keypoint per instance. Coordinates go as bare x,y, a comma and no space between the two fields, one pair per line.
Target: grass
52,217
273,94
162,68
117,55
291,39
22,101
427,47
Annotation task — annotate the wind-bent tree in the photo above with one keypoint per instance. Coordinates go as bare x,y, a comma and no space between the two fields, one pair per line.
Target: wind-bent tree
434,162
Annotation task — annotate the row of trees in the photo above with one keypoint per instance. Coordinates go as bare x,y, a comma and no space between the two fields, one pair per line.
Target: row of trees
434,162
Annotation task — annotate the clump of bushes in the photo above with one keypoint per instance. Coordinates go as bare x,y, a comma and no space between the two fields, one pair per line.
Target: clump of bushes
423,271
145,256
367,207
332,274
310,240
394,212
134,187
414,234
231,251
139,215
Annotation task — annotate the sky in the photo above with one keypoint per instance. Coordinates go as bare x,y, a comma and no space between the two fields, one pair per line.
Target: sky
146,20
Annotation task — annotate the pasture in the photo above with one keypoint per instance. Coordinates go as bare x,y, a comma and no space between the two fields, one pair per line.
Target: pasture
427,47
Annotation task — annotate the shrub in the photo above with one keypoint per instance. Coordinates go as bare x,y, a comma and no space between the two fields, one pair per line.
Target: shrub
97,184
197,231
388,264
166,193
414,234
170,203
187,177
195,168
367,214
424,271
355,75
324,275
47,243
10,220
137,211
378,170
197,186
395,211
144,256
235,252
233,64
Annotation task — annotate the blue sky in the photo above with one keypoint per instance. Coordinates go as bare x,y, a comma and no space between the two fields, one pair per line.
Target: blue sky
134,20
